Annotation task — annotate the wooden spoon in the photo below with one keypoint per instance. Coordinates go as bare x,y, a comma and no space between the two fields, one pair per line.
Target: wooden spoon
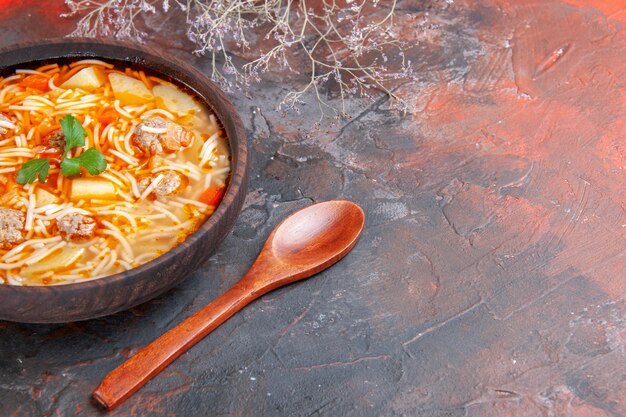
303,244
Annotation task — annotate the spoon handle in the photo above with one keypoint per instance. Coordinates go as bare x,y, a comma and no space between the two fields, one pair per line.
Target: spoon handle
127,378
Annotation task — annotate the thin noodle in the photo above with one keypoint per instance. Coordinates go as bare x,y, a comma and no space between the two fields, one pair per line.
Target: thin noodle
158,112
103,263
44,252
194,202
121,111
32,242
168,213
126,158
28,71
133,185
117,234
107,267
91,62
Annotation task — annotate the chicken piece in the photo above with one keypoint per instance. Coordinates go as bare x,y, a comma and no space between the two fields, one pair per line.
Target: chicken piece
76,227
156,135
11,227
147,135
5,124
176,137
56,140
172,183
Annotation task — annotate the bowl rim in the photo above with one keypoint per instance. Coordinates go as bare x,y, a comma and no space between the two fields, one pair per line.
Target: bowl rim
170,63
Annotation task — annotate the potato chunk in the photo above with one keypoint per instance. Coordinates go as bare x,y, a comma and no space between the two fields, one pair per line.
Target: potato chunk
129,91
172,99
86,79
44,197
92,188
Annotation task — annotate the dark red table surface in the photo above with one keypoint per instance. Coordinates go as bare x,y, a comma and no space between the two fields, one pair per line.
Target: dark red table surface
489,280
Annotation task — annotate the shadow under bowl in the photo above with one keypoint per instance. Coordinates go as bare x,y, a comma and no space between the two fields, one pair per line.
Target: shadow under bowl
108,295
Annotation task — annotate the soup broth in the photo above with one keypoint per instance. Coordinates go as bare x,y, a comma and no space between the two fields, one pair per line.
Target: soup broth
167,165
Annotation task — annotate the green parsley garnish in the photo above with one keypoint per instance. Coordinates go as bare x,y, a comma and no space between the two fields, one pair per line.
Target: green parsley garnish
92,160
32,169
74,133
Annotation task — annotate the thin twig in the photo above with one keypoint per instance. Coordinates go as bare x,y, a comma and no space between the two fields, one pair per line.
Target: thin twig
341,40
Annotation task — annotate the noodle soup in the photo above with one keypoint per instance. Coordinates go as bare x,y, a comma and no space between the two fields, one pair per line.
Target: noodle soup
152,167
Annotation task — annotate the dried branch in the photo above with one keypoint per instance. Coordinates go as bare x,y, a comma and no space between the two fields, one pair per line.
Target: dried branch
341,43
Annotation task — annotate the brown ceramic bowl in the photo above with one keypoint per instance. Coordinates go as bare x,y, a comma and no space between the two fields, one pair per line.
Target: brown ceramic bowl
107,295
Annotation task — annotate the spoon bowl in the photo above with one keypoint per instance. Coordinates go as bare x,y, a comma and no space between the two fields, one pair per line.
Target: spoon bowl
303,244
317,234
